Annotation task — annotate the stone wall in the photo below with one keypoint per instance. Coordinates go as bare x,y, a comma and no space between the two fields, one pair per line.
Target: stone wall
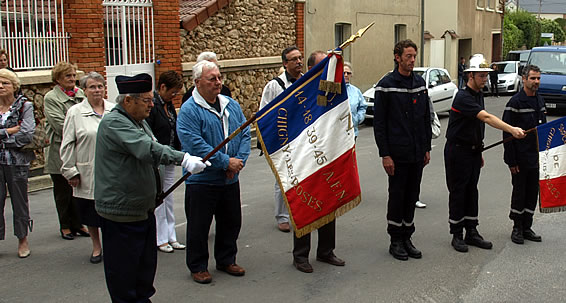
35,93
243,29
246,86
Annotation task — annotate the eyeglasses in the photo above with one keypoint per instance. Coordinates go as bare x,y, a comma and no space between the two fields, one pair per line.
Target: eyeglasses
295,59
347,73
212,79
146,100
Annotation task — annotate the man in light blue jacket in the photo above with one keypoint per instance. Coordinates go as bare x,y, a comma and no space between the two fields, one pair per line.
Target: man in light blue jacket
204,121
357,105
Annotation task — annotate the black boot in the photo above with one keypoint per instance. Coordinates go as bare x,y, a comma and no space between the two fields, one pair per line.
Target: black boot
474,238
458,243
397,250
412,251
529,234
517,233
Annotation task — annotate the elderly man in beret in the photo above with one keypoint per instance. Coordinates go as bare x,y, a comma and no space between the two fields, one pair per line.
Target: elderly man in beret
205,119
126,185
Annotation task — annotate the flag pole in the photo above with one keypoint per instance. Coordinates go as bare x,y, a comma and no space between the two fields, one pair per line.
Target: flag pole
162,195
506,140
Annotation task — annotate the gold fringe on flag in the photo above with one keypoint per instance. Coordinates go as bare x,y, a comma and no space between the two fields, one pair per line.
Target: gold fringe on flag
549,210
328,218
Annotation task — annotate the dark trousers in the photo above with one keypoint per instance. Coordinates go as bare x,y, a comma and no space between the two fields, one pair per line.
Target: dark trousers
15,178
326,243
404,189
462,165
494,91
206,201
524,196
63,194
130,259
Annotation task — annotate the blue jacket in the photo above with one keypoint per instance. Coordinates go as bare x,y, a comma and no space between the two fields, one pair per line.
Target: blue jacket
357,106
401,123
201,128
524,112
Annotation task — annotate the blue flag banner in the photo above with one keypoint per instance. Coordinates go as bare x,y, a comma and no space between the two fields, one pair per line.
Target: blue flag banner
308,138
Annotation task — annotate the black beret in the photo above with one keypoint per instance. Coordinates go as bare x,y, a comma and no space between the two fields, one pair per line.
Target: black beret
141,83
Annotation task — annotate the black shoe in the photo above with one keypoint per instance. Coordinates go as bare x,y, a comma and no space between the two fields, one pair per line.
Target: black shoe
331,259
96,259
530,235
412,251
68,236
458,243
303,266
474,238
517,236
397,250
81,233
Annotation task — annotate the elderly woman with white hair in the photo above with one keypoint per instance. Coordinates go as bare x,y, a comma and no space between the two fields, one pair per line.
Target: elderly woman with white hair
208,56
77,153
17,125
357,104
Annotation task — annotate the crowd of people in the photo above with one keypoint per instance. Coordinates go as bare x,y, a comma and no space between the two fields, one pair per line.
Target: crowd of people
94,142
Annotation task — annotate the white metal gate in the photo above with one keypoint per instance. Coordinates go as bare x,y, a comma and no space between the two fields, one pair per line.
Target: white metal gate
129,40
33,33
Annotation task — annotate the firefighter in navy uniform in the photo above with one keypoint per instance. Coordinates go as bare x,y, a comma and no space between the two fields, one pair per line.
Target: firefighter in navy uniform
403,135
526,110
463,155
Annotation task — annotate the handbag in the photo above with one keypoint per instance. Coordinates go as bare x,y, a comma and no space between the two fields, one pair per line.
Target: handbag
40,138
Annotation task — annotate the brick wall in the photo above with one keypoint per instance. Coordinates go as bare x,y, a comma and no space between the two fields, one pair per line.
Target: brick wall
167,43
84,20
300,24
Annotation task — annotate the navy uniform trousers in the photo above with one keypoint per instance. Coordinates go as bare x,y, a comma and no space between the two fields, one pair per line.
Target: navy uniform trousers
524,196
326,243
404,189
462,165
203,202
130,259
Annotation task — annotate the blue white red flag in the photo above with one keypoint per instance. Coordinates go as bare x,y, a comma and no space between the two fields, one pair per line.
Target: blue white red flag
552,165
310,147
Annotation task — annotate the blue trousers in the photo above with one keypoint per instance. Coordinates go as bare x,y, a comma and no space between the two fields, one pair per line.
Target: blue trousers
130,259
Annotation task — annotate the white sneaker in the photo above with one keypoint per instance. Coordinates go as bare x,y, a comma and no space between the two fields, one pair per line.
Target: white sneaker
420,204
177,245
165,248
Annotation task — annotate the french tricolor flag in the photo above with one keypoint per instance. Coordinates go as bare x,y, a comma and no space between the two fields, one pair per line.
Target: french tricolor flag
310,147
552,165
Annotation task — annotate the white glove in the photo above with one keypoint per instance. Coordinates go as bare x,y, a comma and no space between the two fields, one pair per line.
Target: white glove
193,164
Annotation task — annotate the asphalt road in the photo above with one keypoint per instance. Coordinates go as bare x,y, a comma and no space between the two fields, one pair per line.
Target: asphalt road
59,271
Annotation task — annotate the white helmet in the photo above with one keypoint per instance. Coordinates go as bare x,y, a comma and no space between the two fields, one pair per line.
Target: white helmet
478,64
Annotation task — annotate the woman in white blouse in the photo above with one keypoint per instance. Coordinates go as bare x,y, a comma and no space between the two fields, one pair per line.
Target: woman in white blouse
77,153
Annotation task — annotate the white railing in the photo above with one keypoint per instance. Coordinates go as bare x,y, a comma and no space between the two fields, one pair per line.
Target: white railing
129,32
33,33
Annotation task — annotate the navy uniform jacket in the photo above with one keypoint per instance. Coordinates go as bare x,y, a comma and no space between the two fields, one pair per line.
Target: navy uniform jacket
463,125
401,123
524,112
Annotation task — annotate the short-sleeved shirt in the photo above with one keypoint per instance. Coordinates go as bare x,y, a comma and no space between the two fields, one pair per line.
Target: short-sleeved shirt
463,125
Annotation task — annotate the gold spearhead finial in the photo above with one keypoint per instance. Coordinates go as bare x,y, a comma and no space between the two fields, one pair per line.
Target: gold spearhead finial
356,36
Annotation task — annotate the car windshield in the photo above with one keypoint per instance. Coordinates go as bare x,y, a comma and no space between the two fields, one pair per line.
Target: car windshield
506,68
524,56
419,72
549,62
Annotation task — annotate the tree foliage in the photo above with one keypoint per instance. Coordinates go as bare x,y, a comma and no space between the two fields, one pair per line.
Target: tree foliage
551,26
512,36
528,24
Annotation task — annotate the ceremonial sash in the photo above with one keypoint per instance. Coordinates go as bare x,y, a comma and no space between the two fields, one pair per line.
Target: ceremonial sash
552,165
310,147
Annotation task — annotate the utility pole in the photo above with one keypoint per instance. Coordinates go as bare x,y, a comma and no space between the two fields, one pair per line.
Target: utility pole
539,7
422,32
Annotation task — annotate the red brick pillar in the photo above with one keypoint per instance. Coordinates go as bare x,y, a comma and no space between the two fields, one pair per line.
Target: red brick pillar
300,25
84,20
167,39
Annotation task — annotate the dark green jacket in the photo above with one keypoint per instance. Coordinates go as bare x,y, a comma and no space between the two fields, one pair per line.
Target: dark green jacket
126,155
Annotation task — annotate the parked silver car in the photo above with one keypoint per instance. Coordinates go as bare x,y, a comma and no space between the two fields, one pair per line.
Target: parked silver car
509,80
441,89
